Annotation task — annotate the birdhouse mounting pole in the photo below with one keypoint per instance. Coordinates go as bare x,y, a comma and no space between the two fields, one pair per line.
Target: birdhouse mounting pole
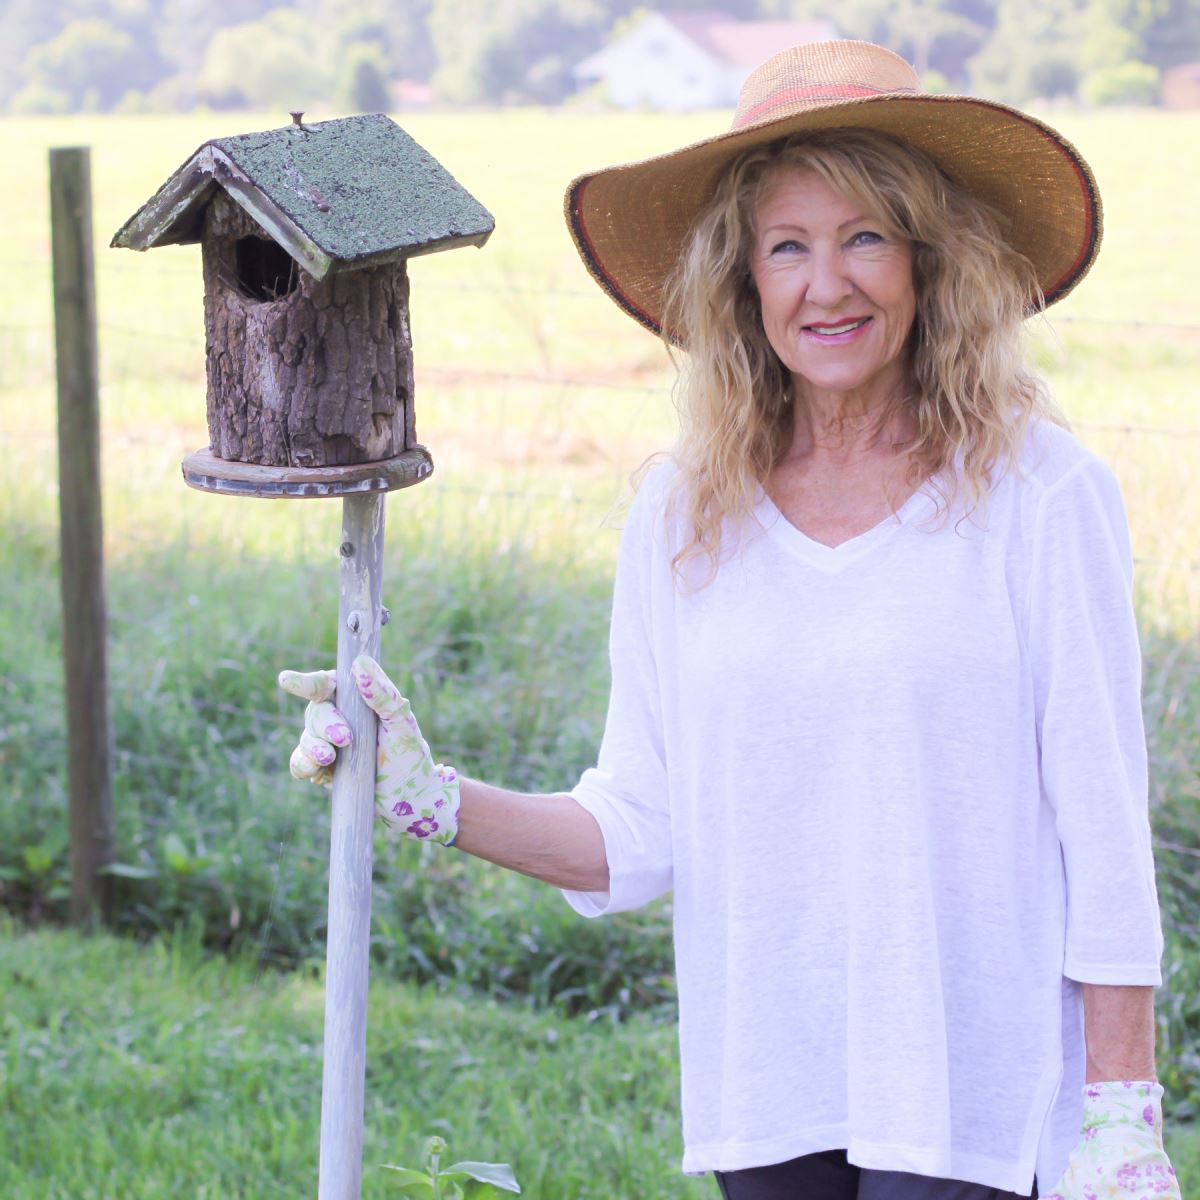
360,618
307,232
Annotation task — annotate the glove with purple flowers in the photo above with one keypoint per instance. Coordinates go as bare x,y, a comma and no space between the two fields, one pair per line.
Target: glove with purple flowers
414,796
1120,1152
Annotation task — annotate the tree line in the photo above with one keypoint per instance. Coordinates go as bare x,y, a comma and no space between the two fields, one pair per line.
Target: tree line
172,55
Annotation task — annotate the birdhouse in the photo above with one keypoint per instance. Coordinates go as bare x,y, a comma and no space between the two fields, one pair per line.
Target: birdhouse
305,233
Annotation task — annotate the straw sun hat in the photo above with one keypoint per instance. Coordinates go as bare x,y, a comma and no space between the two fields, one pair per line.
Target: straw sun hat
630,221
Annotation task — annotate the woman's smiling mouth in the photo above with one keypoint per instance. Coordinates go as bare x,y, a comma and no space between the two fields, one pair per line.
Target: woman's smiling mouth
836,334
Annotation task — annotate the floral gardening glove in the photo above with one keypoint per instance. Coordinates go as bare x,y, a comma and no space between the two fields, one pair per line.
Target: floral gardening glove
1120,1153
324,727
413,795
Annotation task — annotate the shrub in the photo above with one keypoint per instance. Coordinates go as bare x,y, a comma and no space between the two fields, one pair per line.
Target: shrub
1127,83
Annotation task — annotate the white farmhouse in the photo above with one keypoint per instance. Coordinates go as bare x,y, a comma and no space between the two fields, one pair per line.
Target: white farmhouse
686,60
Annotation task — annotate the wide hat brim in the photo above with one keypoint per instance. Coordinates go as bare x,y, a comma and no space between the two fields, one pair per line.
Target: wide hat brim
630,222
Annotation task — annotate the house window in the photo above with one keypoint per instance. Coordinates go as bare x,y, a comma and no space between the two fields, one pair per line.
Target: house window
265,270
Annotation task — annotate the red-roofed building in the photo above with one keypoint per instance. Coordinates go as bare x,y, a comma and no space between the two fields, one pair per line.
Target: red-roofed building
1181,86
687,60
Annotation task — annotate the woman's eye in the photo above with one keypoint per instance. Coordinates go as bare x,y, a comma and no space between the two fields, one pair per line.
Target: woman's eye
866,237
786,247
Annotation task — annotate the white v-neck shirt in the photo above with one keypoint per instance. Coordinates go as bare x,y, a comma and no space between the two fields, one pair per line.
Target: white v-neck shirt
899,789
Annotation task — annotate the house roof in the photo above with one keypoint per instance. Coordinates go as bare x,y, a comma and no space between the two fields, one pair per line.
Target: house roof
746,43
337,195
725,39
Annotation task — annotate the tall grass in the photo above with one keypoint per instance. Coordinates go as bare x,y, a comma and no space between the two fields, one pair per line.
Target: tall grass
510,677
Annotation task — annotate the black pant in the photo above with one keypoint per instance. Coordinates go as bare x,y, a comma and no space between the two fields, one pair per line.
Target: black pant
828,1176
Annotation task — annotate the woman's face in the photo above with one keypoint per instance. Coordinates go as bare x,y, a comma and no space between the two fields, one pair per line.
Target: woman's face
835,290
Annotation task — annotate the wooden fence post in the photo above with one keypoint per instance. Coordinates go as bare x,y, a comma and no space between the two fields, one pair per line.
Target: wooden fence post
84,621
348,942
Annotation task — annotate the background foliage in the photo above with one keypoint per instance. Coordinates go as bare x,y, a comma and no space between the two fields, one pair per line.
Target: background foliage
171,55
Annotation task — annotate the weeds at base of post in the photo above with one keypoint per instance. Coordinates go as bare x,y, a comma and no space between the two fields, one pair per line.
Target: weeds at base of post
456,1181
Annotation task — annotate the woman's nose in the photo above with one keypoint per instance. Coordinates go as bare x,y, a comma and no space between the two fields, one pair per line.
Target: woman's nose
829,283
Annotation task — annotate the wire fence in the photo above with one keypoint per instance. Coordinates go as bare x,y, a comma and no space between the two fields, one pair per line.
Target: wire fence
164,352
186,362
498,387
544,489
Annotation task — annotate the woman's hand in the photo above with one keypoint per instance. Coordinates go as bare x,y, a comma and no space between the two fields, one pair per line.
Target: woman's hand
413,795
1120,1153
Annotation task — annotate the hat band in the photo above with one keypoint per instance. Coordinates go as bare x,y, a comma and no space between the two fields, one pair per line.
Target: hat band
819,93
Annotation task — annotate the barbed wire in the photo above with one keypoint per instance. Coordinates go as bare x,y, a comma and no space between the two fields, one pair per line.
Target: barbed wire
446,375
157,335
477,376
1127,322
1103,322
106,266
600,508
1140,430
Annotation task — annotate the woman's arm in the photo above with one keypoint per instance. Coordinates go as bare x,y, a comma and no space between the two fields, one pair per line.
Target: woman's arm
1121,1143
1118,1024
552,838
548,837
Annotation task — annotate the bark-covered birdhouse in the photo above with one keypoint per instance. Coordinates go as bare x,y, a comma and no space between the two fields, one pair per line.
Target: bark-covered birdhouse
306,231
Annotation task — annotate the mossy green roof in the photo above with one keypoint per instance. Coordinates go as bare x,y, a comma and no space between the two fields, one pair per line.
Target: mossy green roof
358,186
349,192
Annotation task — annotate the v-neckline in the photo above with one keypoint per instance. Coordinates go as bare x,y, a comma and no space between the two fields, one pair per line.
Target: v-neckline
835,558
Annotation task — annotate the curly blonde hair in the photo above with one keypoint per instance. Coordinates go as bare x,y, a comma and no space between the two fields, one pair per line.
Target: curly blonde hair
971,395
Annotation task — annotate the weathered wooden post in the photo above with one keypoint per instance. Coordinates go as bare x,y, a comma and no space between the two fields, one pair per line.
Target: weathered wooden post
306,231
81,540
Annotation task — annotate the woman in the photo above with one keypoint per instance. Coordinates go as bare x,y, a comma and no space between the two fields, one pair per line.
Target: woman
875,697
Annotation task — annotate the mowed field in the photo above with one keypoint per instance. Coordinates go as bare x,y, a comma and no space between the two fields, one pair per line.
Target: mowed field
533,1037
530,382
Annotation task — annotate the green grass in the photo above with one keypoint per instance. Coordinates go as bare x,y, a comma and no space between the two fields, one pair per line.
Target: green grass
536,397
160,1072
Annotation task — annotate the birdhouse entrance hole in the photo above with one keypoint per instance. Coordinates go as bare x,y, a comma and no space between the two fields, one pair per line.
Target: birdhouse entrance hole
265,270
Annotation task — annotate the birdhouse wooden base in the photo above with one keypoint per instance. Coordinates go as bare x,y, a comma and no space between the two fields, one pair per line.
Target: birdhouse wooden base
207,473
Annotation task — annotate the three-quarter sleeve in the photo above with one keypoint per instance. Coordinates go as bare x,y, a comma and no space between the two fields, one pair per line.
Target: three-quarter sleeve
1086,661
627,789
